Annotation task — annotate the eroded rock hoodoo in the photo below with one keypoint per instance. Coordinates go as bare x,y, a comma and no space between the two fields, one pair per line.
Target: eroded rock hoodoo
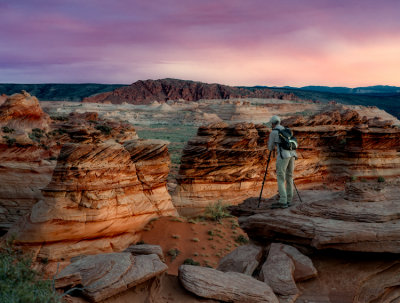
99,197
30,142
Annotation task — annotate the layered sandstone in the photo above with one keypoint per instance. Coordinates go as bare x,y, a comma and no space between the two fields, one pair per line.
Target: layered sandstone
99,197
145,92
330,219
227,162
30,142
21,112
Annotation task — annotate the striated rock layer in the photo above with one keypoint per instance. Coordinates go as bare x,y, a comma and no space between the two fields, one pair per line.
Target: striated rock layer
327,219
99,197
30,142
227,162
22,111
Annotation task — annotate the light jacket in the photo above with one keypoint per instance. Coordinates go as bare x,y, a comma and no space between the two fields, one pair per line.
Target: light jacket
274,140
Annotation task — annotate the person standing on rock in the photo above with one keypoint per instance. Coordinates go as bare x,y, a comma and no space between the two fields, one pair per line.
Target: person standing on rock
284,164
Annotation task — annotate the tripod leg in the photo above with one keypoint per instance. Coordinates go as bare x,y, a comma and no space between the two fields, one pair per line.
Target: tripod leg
301,201
265,174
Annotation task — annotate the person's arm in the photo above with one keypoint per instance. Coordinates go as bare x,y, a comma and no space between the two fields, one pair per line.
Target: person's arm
272,140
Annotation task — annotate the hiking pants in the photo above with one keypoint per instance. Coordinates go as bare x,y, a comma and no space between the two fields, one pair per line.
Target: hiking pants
284,176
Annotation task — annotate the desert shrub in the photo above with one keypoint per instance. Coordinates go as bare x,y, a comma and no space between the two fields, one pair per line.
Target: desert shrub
10,141
59,118
381,179
36,134
217,211
177,219
19,283
191,262
173,253
241,240
353,178
105,129
7,130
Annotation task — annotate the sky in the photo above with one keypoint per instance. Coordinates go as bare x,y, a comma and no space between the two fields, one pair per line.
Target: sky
254,42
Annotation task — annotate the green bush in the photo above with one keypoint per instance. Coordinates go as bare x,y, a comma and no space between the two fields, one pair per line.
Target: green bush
217,211
173,253
19,283
191,262
381,179
105,129
59,118
241,240
7,130
10,141
36,134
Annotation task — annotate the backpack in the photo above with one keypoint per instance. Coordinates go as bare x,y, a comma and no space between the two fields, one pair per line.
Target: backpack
288,141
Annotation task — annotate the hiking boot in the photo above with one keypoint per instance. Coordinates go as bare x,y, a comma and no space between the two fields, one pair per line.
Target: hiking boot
278,205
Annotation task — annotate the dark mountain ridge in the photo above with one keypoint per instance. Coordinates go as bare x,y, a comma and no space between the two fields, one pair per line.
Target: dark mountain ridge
146,91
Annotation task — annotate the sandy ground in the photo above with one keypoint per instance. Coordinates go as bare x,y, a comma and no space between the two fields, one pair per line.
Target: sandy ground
205,242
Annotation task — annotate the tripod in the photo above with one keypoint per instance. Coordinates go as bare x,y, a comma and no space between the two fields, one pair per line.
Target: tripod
265,174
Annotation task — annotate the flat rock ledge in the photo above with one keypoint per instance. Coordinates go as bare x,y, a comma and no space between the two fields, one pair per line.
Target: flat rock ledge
104,275
146,249
329,220
227,287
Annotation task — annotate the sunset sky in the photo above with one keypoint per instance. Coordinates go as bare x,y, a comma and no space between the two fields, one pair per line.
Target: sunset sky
254,42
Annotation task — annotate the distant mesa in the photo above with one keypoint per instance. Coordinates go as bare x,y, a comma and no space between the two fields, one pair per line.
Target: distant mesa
145,92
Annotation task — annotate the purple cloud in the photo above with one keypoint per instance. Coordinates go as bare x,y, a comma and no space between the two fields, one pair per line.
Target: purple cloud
123,41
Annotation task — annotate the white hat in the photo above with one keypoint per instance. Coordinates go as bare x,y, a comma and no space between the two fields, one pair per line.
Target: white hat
275,119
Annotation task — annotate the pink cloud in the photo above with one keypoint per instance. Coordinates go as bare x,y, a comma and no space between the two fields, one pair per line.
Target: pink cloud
123,41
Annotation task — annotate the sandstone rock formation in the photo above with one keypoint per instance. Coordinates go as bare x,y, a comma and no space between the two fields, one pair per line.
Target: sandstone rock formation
145,92
30,142
228,287
222,163
104,275
361,231
285,266
99,197
329,219
227,162
21,112
243,259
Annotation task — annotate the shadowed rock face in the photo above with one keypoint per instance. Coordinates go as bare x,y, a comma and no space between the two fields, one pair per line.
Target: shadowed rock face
99,197
227,162
145,92
30,142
